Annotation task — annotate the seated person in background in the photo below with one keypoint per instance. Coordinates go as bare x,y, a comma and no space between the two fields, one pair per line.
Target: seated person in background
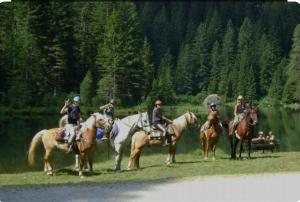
271,137
260,138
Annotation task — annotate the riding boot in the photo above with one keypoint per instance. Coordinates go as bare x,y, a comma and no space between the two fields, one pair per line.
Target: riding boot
70,143
233,130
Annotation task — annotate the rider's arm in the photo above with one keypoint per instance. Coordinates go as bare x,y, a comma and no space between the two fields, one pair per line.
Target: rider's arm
166,119
103,106
235,110
64,109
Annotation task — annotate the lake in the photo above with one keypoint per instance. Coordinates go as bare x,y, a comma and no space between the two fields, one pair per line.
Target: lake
17,131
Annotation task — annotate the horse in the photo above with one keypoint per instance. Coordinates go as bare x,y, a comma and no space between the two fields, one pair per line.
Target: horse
126,127
141,139
244,131
86,145
210,137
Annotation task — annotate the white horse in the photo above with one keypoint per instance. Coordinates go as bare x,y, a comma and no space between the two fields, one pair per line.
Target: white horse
126,127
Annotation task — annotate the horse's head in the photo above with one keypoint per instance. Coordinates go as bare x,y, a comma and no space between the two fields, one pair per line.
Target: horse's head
253,114
101,121
191,119
144,122
213,117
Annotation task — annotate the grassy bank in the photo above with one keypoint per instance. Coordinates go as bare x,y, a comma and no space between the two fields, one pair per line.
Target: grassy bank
154,168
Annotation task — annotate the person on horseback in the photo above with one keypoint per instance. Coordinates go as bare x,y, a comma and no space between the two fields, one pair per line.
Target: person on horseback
108,109
212,108
158,120
239,109
73,112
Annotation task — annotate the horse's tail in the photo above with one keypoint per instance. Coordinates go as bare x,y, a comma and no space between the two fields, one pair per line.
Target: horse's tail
133,139
36,140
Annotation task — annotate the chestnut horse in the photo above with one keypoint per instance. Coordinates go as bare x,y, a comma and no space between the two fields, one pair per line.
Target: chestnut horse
244,131
141,139
210,137
86,145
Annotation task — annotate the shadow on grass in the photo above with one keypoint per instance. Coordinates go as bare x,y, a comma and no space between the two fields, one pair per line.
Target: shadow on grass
188,162
69,171
252,157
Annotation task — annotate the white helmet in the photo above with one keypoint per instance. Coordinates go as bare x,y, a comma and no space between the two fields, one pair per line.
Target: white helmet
76,98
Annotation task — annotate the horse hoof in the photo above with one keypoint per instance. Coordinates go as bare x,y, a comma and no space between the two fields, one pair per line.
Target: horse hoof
81,177
205,159
49,173
213,159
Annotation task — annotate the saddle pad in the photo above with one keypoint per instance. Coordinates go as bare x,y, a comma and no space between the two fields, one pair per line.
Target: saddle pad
115,130
60,135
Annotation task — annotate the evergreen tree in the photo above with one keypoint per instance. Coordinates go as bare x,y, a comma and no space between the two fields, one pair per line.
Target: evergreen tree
227,60
162,87
201,60
292,86
267,62
119,57
184,72
245,55
214,77
278,79
160,34
86,89
147,67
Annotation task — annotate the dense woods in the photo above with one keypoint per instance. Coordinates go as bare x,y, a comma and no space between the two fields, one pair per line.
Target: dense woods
137,51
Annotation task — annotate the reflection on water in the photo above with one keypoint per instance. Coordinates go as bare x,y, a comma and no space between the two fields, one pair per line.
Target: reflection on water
17,132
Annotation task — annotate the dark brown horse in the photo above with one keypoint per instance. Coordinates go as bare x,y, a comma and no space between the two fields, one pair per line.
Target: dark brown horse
210,137
244,131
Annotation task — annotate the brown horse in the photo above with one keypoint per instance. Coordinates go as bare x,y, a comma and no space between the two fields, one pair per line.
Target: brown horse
86,145
141,139
244,131
210,137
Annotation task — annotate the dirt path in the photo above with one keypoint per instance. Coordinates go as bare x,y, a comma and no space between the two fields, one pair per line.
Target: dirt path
254,188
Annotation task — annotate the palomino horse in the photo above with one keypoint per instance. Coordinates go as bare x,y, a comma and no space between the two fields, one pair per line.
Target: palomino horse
141,139
244,131
86,145
210,137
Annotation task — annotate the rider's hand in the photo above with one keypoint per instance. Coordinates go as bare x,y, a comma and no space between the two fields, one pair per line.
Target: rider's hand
67,102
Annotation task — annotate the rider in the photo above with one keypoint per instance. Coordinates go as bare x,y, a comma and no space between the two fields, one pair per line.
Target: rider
73,112
239,109
108,109
158,120
212,108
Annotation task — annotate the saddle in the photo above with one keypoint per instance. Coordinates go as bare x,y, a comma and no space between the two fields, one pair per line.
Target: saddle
156,134
60,135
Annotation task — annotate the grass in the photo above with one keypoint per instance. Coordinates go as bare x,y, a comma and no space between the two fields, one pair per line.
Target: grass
154,168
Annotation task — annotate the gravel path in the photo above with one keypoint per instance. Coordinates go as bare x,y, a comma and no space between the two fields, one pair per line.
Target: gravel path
254,188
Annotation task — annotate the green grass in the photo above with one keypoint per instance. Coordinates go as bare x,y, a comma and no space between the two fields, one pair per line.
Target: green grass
154,168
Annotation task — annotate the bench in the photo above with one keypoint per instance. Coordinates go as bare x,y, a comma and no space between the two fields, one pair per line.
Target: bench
263,145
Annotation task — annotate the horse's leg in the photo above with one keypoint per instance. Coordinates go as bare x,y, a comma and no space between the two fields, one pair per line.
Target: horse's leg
174,153
235,142
213,149
241,148
46,160
206,148
90,161
82,158
132,159
118,158
76,162
249,148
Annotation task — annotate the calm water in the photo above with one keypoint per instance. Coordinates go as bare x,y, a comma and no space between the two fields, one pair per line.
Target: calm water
16,133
